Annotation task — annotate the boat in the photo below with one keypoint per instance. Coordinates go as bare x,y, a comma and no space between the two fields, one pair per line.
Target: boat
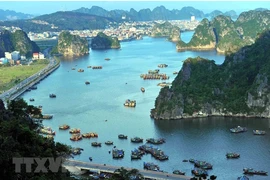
46,130
135,156
253,172
90,135
130,103
107,59
150,166
76,137
118,153
89,66
232,155
243,178
96,67
49,136
64,127
136,140
76,151
175,72
199,172
96,144
162,65
259,132
80,70
155,141
203,165
164,84
109,143
87,82
73,68
31,99
33,87
122,136
142,89
179,172
52,96
192,160
74,131
238,129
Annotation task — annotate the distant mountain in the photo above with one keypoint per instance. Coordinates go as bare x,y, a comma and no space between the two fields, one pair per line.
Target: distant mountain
158,13
60,21
7,15
260,9
216,13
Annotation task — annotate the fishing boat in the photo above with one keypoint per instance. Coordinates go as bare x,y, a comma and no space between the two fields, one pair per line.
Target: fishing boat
107,59
136,140
253,172
155,141
76,151
87,82
162,65
238,129
142,89
74,131
179,172
232,155
118,153
203,165
75,137
199,172
122,136
96,144
175,72
243,178
259,132
46,130
64,127
31,99
109,143
150,166
52,96
90,135
80,70
130,103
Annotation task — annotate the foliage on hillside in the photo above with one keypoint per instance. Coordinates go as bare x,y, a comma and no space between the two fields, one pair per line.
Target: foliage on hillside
18,138
17,41
166,29
102,41
238,86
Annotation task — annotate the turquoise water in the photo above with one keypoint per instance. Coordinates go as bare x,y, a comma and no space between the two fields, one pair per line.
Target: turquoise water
88,106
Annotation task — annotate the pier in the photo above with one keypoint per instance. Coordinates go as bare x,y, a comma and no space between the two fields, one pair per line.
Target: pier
104,168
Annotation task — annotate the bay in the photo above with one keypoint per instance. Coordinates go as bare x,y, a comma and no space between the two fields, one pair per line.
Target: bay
89,106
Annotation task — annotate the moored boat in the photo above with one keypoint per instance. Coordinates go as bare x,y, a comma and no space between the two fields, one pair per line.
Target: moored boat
199,172
136,140
238,129
107,59
130,103
76,151
74,130
80,70
31,99
122,136
118,153
46,130
142,89
76,137
259,132
96,144
175,72
150,166
64,127
87,82
52,96
155,141
109,143
90,135
232,155
254,172
203,165
179,172
162,65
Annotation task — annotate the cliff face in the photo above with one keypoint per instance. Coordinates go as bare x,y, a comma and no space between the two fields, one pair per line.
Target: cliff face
17,41
72,45
102,41
226,35
238,87
166,30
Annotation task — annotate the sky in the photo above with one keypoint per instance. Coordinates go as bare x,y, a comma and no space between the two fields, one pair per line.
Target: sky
47,7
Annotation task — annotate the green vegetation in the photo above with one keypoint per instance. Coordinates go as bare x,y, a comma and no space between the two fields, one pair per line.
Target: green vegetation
239,85
102,41
166,30
19,138
124,174
12,75
44,44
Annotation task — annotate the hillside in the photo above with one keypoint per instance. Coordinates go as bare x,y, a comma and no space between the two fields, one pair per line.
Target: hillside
60,21
166,30
17,41
238,87
216,13
71,45
102,41
229,35
7,15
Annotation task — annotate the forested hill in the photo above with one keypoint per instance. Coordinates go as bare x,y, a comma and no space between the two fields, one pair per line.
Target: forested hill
238,87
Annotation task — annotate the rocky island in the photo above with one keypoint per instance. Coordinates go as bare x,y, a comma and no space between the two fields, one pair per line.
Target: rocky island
166,30
102,41
238,87
226,35
71,45
17,41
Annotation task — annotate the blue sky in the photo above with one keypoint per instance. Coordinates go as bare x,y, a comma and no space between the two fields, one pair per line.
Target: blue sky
46,7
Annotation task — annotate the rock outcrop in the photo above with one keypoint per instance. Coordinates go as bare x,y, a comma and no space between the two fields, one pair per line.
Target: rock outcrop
238,87
72,45
102,41
166,30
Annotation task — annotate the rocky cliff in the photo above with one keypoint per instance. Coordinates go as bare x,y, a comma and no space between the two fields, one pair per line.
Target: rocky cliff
102,41
166,30
72,45
17,41
227,36
238,87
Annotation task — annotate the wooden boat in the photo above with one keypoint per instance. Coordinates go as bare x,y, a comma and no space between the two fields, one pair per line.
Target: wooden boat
238,129
64,127
118,153
203,165
52,96
76,137
259,132
31,99
175,72
232,155
179,172
253,172
122,136
155,141
80,70
162,65
76,151
73,68
87,82
199,172
90,135
46,130
96,67
142,89
137,154
107,59
109,143
130,103
150,166
96,144
74,131
33,87
136,140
